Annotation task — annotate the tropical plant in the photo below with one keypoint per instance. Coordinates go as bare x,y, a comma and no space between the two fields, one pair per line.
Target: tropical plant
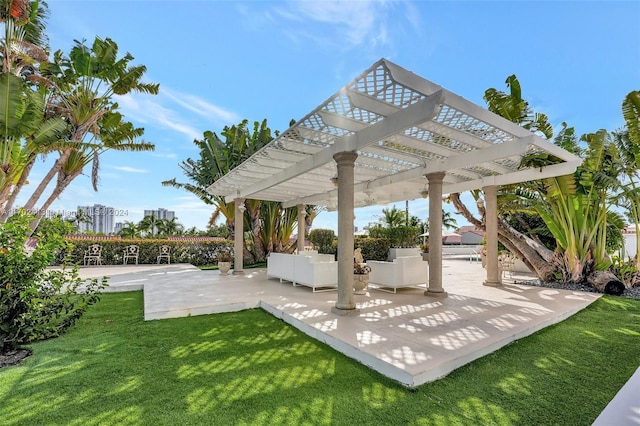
169,227
393,217
515,109
83,85
576,209
55,225
129,230
26,128
268,226
149,225
37,303
78,218
627,142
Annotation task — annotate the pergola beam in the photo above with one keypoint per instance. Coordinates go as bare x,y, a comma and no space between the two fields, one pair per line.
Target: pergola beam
459,162
417,113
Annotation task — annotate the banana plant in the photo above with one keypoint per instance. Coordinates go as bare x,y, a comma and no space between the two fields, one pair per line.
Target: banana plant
83,85
576,208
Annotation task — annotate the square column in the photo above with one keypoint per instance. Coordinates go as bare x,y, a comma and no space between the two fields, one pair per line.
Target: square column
345,304
238,236
301,227
491,227
435,235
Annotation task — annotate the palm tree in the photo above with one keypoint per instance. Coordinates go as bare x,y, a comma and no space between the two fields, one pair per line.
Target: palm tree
27,130
149,224
216,158
393,217
78,218
575,208
514,108
83,86
448,221
130,230
169,227
627,142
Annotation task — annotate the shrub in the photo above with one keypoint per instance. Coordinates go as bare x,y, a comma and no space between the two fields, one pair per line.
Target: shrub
36,303
322,240
196,253
373,248
398,236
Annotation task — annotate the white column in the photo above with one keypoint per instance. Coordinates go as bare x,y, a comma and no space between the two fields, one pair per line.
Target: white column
301,227
435,235
238,237
345,304
491,226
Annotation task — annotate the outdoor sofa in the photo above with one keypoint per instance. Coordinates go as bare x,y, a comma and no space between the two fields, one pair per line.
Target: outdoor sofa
406,271
318,271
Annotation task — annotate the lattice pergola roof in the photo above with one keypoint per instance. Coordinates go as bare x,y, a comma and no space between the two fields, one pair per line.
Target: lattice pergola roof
402,127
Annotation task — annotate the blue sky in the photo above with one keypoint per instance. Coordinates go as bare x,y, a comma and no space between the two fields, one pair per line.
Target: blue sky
218,62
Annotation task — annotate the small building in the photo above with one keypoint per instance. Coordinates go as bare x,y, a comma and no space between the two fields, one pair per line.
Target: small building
471,235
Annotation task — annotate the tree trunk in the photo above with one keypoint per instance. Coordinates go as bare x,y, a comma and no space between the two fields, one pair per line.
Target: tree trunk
60,186
605,282
56,168
535,255
17,188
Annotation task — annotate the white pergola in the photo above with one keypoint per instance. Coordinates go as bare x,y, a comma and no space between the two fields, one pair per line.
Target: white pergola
390,135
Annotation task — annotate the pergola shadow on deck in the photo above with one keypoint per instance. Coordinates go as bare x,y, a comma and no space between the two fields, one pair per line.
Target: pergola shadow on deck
390,135
405,336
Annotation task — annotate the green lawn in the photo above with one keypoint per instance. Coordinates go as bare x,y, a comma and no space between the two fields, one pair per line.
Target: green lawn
250,368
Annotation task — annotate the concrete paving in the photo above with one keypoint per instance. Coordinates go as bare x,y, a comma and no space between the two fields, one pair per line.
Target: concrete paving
409,337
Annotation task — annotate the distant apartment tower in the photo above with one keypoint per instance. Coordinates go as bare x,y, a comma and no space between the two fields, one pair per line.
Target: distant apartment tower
118,227
101,219
161,213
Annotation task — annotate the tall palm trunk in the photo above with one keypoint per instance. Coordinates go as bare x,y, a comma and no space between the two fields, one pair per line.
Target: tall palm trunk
57,166
11,199
63,182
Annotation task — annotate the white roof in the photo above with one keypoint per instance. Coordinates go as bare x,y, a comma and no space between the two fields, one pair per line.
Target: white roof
402,127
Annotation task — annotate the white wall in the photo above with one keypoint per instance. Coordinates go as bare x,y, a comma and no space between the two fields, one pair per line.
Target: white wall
630,248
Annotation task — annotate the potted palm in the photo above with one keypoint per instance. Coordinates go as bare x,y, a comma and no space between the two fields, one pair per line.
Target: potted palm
224,262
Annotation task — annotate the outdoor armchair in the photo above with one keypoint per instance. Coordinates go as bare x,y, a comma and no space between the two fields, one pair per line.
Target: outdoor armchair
93,253
131,252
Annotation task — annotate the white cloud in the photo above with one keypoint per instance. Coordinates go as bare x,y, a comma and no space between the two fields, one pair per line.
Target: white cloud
152,112
164,155
130,169
174,110
355,23
201,107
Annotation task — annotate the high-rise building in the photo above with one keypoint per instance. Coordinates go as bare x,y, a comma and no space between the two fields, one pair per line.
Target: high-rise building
161,213
118,227
101,219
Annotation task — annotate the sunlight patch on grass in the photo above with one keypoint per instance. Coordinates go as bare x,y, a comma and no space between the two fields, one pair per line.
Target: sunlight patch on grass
377,395
129,384
518,384
319,409
54,373
197,348
250,386
125,415
479,411
627,332
250,368
18,410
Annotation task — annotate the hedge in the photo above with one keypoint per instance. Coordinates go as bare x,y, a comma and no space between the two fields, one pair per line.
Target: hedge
371,248
197,253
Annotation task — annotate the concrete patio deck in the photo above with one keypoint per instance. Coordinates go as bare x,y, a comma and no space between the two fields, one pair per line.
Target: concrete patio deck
409,337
